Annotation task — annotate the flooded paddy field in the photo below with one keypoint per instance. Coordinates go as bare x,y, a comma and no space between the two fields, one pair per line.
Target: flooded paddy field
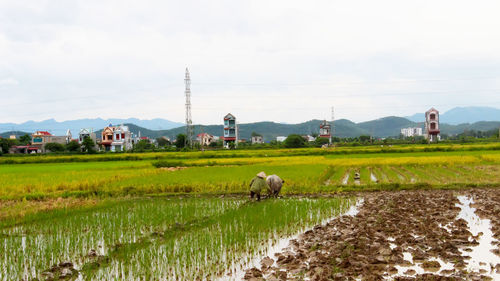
403,235
98,218
157,239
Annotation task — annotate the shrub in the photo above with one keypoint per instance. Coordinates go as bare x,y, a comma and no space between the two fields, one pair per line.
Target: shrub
294,141
54,147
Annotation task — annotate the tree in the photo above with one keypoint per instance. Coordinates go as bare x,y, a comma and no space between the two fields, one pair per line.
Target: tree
73,146
364,138
180,142
294,141
162,141
54,147
143,145
319,142
25,140
5,145
88,145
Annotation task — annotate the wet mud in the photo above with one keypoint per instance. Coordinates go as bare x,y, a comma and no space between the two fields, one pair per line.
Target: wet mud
404,235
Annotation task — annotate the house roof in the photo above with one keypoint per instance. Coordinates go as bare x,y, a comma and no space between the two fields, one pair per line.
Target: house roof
25,146
432,109
229,116
45,133
204,134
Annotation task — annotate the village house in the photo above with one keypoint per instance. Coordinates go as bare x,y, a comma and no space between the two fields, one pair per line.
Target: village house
86,132
230,130
432,125
40,138
309,138
24,149
116,138
257,139
325,130
205,139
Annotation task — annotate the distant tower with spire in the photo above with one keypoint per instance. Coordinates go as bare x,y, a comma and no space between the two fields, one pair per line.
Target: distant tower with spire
189,122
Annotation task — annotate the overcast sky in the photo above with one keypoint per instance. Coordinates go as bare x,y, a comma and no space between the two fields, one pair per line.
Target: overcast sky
285,61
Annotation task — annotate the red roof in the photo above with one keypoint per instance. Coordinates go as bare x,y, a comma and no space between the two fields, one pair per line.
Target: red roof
144,138
26,146
45,133
204,134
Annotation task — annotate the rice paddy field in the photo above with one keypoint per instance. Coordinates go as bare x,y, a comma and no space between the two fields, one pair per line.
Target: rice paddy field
186,216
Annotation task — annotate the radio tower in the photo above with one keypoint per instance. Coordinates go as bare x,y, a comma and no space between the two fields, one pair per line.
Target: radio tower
189,122
333,126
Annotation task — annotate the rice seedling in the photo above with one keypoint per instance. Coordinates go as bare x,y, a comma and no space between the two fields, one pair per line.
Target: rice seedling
158,238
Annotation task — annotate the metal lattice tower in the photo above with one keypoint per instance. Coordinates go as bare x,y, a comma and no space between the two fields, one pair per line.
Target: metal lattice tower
189,122
333,127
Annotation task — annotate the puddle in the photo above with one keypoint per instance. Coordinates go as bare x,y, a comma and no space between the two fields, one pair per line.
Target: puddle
418,269
237,271
481,260
481,256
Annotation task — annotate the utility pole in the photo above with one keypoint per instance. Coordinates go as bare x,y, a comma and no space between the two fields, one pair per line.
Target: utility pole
189,122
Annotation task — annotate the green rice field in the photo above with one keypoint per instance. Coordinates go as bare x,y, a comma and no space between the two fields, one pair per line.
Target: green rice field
159,238
186,216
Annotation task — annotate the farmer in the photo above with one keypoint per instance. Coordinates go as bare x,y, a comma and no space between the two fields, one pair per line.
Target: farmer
275,183
258,183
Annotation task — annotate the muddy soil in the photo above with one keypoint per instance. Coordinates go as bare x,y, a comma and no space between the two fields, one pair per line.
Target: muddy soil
404,235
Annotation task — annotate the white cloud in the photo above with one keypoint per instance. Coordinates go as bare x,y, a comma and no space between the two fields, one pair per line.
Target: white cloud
267,60
9,81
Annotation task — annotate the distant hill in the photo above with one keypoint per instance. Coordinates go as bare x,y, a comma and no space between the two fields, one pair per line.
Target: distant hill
387,126
16,133
463,115
478,126
384,127
60,128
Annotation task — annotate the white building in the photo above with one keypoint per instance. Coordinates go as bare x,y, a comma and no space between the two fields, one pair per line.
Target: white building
310,138
86,132
257,139
411,132
280,139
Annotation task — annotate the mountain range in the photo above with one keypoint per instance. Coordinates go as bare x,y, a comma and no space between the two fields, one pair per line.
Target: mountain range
383,127
60,128
462,115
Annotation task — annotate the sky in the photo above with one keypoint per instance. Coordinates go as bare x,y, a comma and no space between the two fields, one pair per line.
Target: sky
283,61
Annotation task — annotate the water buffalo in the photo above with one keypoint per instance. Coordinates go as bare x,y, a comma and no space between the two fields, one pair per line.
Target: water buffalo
275,183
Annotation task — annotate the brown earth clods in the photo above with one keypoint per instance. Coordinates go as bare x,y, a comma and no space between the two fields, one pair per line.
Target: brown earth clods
359,247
